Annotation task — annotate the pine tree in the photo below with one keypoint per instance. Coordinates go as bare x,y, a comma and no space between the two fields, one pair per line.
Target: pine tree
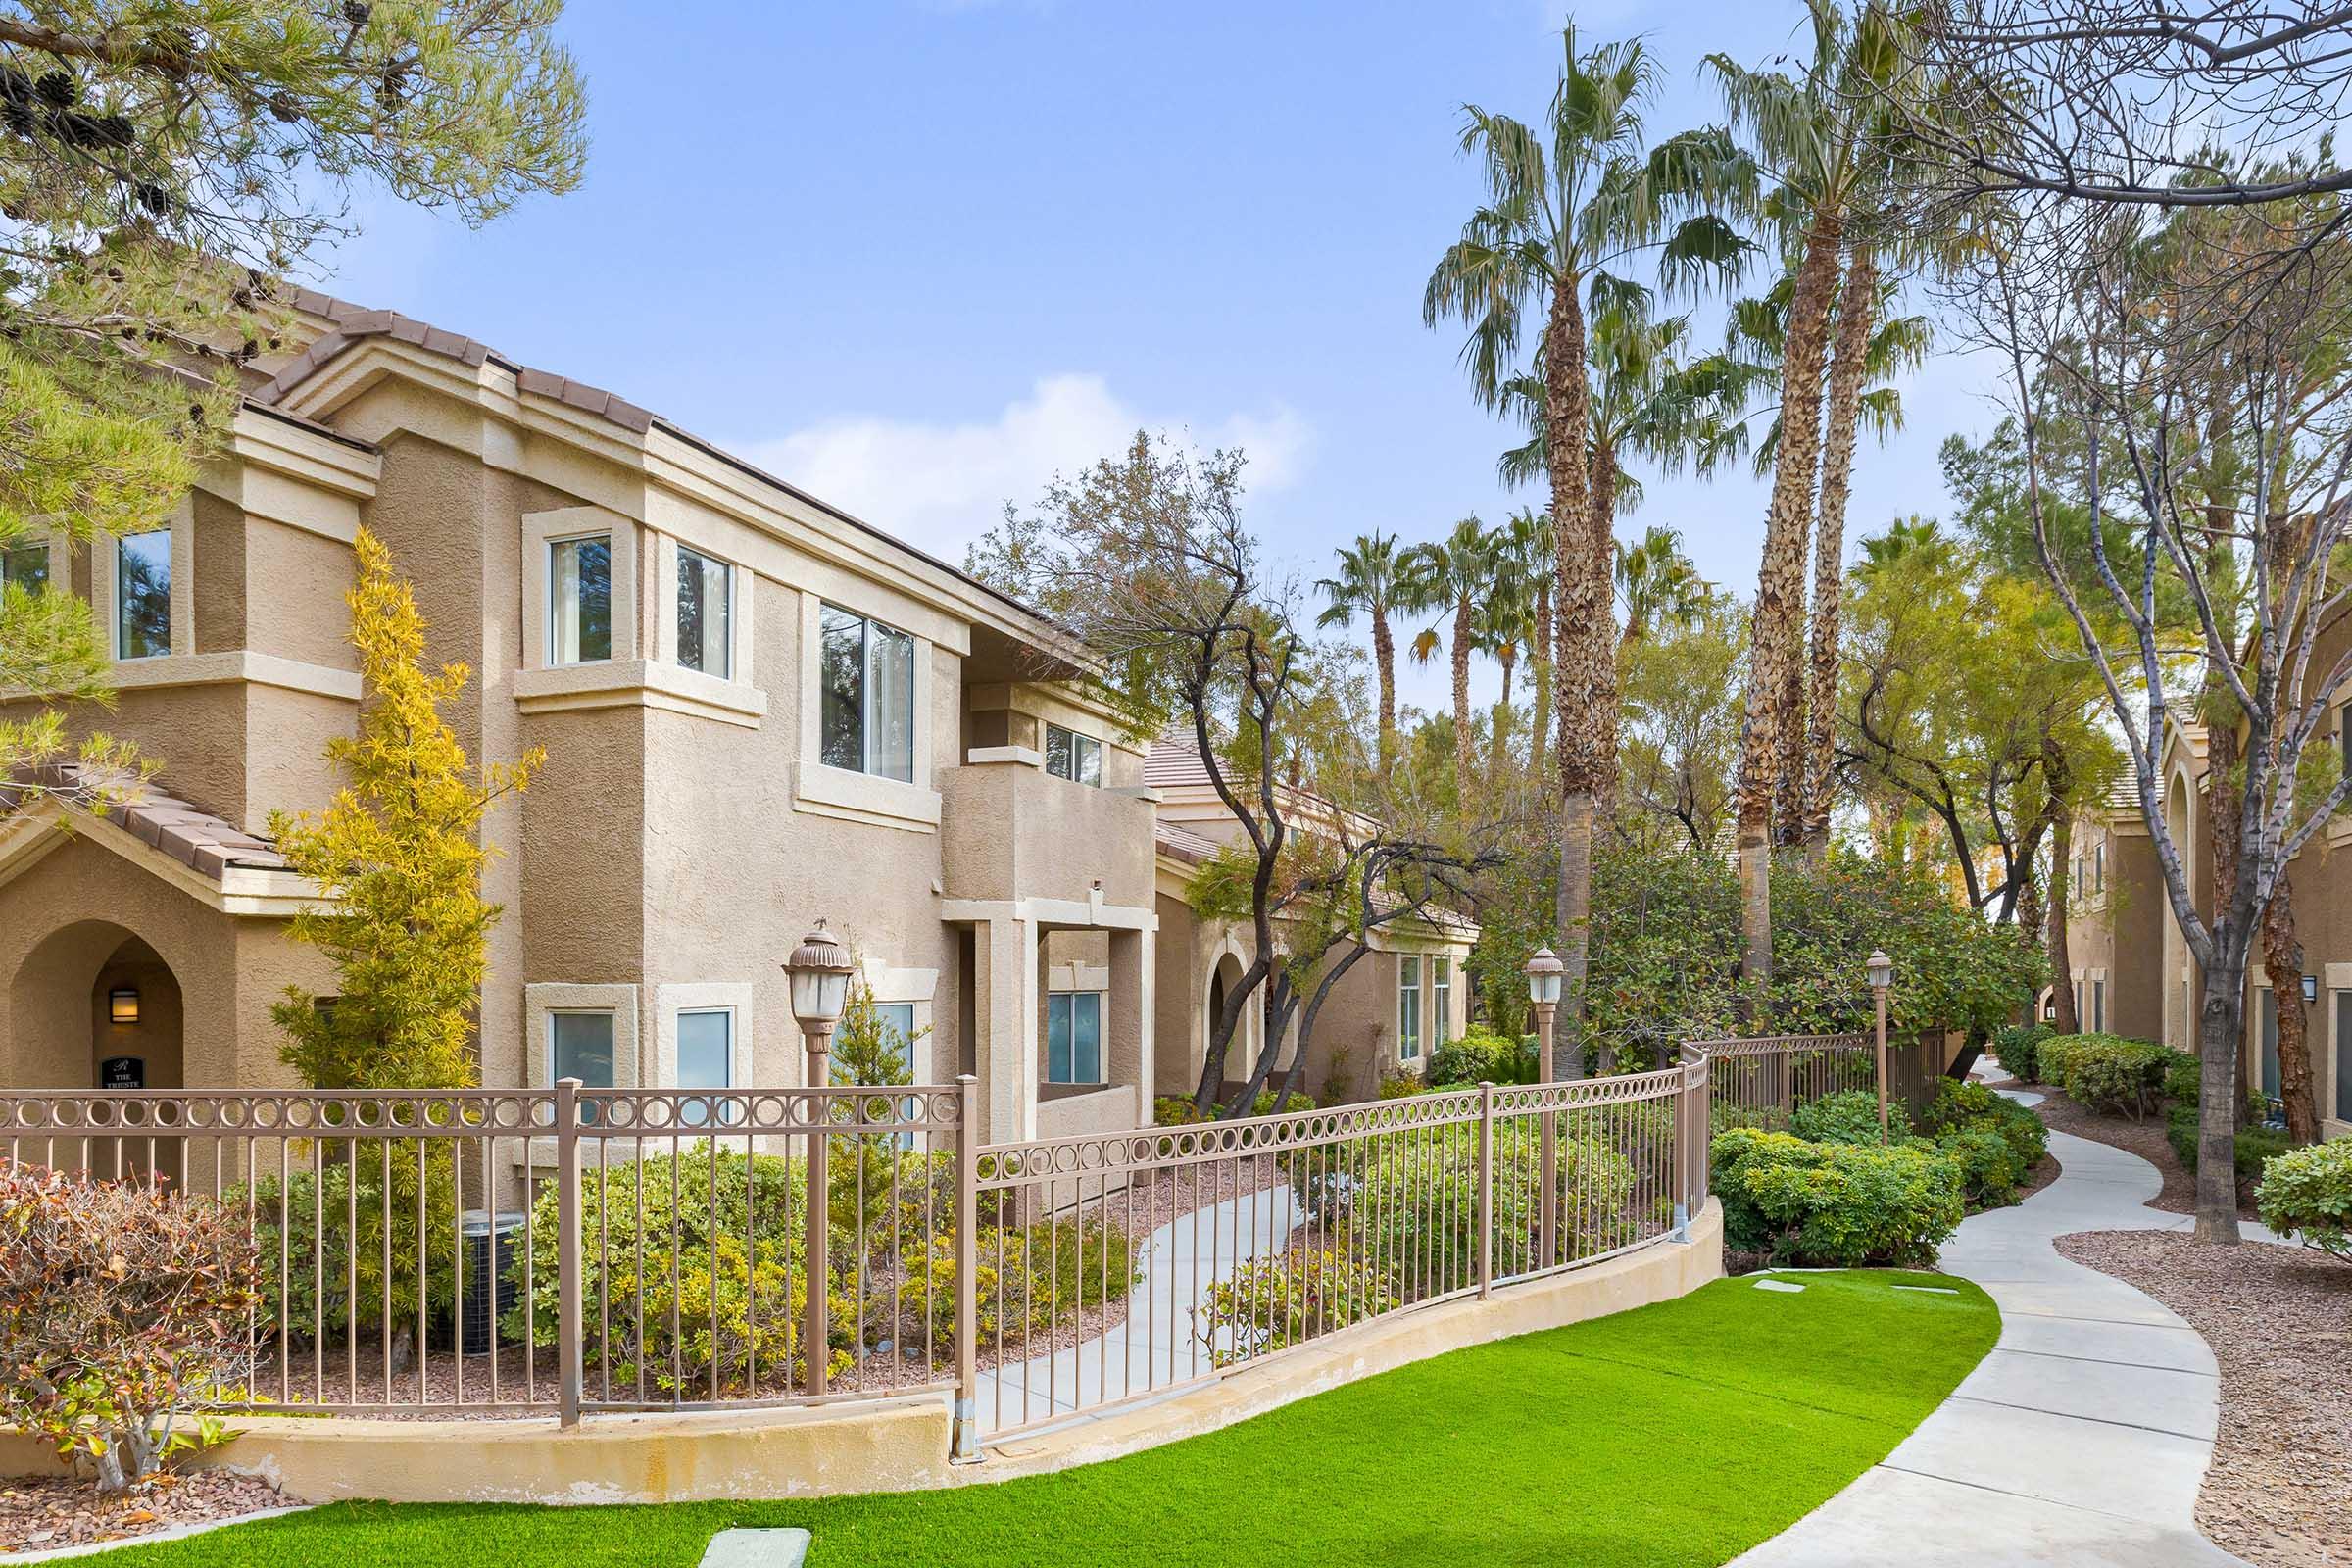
399,852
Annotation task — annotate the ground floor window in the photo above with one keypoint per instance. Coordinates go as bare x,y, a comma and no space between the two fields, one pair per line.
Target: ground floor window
1408,1008
2344,1055
1441,997
706,1057
1074,1036
2098,1006
2270,1044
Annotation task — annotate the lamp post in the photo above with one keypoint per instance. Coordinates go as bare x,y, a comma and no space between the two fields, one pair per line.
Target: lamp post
820,986
1881,970
1544,971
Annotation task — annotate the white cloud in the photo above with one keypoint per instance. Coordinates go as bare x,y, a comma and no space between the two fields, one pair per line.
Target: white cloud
938,486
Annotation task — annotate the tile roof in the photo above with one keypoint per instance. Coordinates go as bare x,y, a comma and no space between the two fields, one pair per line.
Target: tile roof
1173,763
204,843
1183,843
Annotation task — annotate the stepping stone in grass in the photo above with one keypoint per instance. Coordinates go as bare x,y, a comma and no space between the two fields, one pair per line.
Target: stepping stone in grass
756,1549
1778,1285
1930,1290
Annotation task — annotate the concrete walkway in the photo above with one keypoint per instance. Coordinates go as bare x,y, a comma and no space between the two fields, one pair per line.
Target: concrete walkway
2081,1439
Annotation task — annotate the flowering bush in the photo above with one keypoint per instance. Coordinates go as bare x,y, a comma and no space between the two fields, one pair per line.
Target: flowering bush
1271,1302
123,1307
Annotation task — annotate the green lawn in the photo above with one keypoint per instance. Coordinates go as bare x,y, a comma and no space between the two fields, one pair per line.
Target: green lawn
1683,1433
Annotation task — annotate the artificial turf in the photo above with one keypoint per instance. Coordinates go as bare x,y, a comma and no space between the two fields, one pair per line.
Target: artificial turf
1681,1433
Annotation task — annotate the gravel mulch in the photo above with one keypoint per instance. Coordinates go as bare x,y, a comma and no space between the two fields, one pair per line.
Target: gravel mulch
2279,1322
2062,1113
40,1513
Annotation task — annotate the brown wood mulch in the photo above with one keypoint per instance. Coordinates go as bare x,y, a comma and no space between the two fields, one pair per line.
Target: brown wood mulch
2061,1112
41,1513
2279,1322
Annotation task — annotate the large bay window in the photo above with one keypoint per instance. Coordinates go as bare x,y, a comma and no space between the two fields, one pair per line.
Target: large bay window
579,600
866,673
143,594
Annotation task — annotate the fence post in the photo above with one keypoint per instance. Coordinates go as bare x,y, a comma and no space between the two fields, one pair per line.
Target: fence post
1486,1189
1687,1141
568,1252
967,1445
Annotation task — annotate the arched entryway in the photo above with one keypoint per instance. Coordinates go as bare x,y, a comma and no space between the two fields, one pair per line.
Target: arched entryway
94,1006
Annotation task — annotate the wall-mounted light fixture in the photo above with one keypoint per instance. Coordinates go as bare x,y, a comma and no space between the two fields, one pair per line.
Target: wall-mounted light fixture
123,1004
2311,988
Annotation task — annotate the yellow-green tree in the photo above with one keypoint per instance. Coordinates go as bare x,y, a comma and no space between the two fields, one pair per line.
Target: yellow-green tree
399,857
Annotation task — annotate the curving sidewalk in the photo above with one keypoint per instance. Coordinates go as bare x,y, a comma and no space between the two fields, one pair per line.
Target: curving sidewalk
2082,1437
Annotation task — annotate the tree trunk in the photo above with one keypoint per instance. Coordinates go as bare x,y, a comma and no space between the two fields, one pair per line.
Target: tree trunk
2282,963
1583,597
1384,660
1773,625
1539,678
1500,728
2221,1027
1600,649
1856,307
1461,711
2062,884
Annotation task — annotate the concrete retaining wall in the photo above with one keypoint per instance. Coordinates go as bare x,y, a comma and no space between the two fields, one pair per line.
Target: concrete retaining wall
886,1445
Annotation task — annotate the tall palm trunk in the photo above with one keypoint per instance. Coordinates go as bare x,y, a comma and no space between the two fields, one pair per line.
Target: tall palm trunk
1584,599
1499,727
1774,628
1461,711
1384,658
1601,653
1539,678
1856,308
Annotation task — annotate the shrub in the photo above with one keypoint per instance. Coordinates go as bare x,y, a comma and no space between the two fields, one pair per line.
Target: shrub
1990,1168
1838,1204
1021,1279
1479,1058
2307,1192
1964,1106
1850,1116
2018,1047
2108,1074
2256,1145
1176,1111
123,1307
337,1281
1412,1200
1401,1085
1272,1302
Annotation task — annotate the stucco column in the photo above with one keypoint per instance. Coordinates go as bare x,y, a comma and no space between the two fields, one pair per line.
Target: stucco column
1129,1024
1006,1055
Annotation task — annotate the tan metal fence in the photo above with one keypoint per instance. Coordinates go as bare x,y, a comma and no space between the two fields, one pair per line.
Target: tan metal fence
1762,1081
511,1251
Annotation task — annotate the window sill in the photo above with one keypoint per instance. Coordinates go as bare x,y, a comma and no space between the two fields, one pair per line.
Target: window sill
861,797
639,683
226,669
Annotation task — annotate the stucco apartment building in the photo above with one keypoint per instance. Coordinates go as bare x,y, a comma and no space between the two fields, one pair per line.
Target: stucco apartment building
2132,971
759,711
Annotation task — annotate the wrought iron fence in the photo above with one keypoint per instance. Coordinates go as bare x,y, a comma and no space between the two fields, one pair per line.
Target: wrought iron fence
1762,1081
569,1250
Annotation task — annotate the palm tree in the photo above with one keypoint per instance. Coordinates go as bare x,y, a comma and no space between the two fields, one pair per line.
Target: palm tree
1565,202
1818,137
1506,625
1367,580
1528,545
1452,578
1659,585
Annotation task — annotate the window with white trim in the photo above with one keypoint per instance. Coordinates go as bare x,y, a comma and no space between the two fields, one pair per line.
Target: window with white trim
2099,868
1074,1036
1408,1008
25,565
706,1057
705,614
1441,997
2344,1055
579,600
2098,1006
1072,755
866,675
143,594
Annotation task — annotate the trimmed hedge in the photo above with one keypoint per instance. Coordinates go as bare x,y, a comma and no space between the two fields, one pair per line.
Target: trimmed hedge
2018,1047
1479,1058
2307,1192
1835,1205
2257,1146
2110,1074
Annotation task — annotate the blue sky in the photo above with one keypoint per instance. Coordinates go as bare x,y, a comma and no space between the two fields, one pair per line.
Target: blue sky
917,255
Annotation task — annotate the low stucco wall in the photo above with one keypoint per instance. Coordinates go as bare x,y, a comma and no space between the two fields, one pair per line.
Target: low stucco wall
887,1445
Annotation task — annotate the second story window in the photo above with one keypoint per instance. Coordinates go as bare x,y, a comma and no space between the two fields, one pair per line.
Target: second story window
143,594
1072,755
706,613
26,567
579,600
865,673
2099,868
